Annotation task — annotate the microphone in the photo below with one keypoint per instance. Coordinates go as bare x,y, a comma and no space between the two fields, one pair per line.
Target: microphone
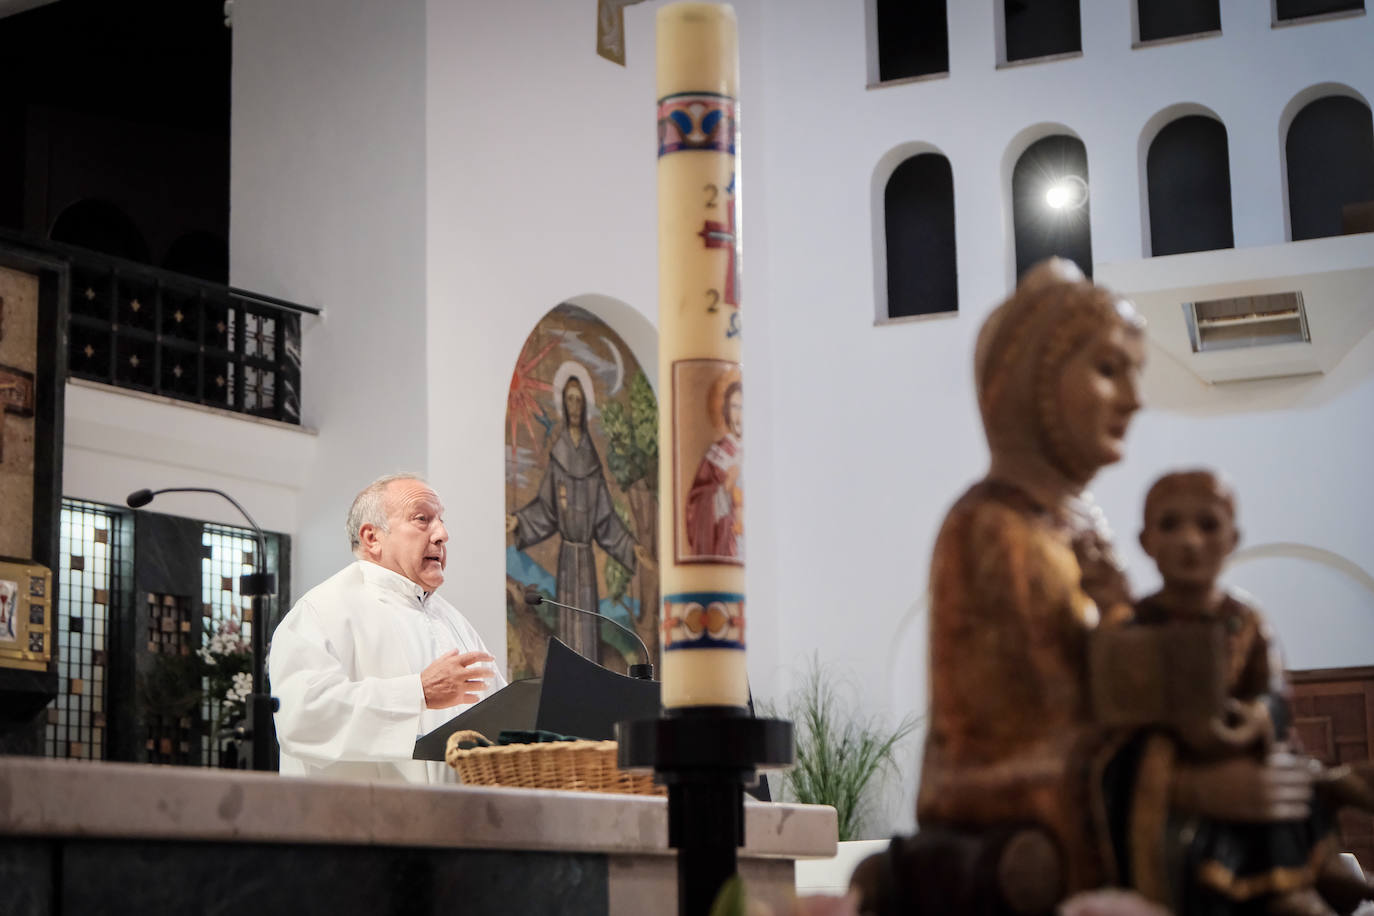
139,498
255,585
644,672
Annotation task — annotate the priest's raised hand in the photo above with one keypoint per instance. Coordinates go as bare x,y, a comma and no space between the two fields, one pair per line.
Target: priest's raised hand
456,679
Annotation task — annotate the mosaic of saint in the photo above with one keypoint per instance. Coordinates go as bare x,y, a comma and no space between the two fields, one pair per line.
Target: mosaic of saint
581,495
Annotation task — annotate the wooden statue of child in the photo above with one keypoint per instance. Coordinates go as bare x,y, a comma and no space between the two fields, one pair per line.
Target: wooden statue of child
1275,868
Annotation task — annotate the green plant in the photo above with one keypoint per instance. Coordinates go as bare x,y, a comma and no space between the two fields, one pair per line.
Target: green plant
170,686
840,755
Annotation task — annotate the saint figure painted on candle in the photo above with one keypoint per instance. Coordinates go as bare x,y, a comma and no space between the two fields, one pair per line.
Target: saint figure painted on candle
715,502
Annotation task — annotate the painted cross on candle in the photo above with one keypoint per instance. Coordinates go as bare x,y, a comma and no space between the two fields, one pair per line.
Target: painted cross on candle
722,235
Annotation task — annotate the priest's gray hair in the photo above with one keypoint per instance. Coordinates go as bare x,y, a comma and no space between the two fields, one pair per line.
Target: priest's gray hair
369,508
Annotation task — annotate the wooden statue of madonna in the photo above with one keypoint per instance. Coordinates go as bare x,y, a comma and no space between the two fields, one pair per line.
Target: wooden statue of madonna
1036,779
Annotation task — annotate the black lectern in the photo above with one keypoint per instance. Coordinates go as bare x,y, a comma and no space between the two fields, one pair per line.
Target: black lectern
574,697
512,707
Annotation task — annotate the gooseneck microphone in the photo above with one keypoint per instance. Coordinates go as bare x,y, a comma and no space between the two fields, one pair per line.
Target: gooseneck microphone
140,498
644,672
256,585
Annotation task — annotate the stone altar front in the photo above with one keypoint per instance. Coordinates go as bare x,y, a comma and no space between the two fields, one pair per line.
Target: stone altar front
78,838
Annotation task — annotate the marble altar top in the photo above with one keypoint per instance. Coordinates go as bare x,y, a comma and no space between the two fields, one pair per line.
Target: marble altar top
40,797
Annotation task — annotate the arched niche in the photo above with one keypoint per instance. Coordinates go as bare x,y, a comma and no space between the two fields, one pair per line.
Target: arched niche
920,276
1041,157
1188,186
1317,600
638,332
100,226
1327,142
1148,133
932,223
581,459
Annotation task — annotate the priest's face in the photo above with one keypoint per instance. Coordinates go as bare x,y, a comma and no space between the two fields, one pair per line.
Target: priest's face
415,543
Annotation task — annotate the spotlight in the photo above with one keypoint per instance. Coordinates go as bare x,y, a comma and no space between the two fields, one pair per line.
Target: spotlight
1068,192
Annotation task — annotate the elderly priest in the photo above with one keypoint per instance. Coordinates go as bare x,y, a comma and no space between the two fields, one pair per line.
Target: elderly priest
372,658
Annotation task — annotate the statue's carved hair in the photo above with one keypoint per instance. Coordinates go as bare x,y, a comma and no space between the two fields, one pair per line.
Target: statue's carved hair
1210,484
1053,310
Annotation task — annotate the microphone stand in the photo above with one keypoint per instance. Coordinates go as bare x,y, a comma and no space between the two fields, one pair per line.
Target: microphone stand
259,733
644,672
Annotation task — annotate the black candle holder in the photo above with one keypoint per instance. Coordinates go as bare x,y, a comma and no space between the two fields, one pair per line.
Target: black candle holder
705,755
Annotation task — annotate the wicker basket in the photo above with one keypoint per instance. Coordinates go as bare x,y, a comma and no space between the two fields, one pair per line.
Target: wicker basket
577,766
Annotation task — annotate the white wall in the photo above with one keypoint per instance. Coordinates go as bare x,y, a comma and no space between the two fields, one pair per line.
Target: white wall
541,189
116,442
327,198
879,424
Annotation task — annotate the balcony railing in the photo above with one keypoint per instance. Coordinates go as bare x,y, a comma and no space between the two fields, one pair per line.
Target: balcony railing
151,330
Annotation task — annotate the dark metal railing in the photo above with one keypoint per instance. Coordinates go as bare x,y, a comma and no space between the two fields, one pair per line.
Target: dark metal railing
152,330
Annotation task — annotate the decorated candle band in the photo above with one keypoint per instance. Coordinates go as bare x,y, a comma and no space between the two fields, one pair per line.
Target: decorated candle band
700,430
703,620
696,121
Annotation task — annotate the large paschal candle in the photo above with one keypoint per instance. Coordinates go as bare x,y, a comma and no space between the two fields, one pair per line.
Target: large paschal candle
701,486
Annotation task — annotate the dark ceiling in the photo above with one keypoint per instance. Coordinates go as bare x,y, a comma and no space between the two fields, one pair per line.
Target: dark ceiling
158,61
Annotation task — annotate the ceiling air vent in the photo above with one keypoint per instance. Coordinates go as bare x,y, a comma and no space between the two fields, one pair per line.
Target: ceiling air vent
1246,321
